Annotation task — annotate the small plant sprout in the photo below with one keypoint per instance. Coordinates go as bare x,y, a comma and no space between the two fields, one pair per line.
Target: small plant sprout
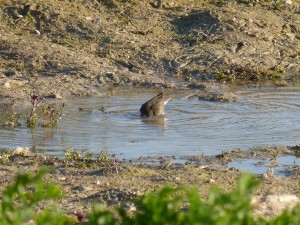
272,163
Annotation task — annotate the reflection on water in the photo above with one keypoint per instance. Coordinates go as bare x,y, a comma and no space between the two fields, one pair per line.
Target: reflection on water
189,127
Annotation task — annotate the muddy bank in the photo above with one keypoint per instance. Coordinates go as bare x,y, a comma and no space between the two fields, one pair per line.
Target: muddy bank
106,180
75,48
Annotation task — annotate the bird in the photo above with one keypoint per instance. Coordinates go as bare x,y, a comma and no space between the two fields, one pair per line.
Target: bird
155,106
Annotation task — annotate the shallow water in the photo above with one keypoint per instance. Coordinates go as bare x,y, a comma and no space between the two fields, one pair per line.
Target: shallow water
267,116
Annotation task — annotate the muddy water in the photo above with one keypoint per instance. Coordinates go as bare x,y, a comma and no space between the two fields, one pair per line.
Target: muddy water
266,116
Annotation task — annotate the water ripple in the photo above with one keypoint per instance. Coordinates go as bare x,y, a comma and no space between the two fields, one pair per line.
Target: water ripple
264,116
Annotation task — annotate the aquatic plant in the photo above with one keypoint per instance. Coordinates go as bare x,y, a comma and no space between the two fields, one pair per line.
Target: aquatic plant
50,116
32,120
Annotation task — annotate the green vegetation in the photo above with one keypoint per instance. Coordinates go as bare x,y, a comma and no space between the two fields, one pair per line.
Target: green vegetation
20,199
168,206
85,159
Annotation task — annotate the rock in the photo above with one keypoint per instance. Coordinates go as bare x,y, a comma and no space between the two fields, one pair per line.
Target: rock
54,95
130,207
114,200
20,151
288,2
219,97
61,178
273,204
8,124
80,188
211,181
13,84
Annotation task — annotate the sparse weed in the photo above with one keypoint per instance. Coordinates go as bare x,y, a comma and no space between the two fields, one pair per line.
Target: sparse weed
277,5
50,116
103,157
86,159
219,75
4,157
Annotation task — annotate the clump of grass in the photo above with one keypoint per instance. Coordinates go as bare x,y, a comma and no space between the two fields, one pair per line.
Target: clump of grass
4,157
86,159
277,5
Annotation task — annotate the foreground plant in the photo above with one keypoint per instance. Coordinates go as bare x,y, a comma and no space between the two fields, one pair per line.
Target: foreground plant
20,198
174,206
182,206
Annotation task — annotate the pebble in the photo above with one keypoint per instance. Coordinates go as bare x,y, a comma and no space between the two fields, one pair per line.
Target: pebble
273,204
20,151
211,181
80,188
9,84
61,178
288,2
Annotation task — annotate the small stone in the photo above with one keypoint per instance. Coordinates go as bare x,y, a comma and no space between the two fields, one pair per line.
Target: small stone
80,188
211,181
130,207
55,95
8,124
114,200
288,2
9,84
97,20
20,151
60,178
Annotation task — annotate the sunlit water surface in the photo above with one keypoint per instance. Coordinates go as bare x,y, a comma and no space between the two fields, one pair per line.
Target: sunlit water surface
268,116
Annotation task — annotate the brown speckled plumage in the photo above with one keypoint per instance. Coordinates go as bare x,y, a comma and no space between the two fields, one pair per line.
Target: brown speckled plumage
155,106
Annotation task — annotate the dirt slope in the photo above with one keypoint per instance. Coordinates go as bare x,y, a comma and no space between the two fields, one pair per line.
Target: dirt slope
75,47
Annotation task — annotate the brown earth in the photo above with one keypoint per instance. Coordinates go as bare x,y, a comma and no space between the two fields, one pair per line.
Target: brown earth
76,47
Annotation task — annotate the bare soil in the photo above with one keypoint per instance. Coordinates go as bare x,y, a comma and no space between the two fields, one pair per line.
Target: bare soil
77,47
